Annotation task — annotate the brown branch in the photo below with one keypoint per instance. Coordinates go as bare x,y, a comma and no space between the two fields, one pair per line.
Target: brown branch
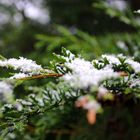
41,76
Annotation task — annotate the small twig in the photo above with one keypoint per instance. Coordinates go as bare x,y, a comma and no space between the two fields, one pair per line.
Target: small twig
41,76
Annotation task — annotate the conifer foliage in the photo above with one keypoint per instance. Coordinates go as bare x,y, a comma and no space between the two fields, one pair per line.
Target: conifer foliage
70,87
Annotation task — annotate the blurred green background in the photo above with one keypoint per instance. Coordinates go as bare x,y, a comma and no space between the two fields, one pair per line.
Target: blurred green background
37,28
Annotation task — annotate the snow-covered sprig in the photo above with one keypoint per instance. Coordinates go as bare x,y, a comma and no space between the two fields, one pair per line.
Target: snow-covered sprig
22,64
66,57
111,72
135,65
84,75
57,66
118,63
27,68
89,84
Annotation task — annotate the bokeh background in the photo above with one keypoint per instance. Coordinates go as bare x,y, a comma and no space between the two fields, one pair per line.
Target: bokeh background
37,28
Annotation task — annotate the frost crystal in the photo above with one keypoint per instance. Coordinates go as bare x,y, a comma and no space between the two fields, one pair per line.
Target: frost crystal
135,65
84,75
115,60
23,64
112,59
